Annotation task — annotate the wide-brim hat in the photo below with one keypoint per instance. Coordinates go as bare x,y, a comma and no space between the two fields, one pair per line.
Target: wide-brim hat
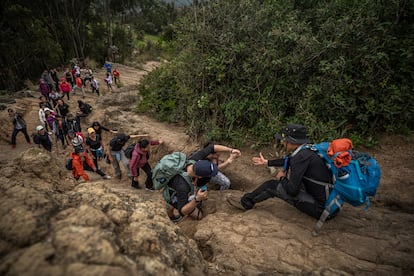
294,134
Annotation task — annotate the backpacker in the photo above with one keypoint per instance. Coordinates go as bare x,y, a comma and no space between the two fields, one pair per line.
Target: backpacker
356,176
118,142
168,167
130,149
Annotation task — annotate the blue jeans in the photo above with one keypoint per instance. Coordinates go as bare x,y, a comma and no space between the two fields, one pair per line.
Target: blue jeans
119,156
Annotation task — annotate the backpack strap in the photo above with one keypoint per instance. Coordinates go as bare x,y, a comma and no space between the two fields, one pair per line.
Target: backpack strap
327,185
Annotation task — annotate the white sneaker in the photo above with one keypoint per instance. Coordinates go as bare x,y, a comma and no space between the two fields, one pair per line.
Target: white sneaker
106,177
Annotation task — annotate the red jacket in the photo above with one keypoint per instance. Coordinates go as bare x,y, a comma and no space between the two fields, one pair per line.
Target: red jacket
77,166
65,87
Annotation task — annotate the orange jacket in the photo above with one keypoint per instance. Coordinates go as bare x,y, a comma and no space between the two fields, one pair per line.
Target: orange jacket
77,166
78,82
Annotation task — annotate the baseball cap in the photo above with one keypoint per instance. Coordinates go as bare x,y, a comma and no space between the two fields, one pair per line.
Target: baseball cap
39,128
205,168
91,130
294,134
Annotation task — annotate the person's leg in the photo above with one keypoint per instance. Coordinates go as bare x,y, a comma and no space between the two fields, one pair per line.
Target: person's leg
14,134
115,164
148,182
95,160
125,161
24,130
261,193
303,202
221,180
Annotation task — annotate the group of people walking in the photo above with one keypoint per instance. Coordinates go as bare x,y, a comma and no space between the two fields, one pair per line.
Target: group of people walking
296,183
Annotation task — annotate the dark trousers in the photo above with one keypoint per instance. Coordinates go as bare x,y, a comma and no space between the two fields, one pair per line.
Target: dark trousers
272,188
86,167
14,134
148,171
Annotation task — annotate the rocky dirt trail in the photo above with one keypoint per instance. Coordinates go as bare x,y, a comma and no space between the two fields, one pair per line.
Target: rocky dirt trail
52,225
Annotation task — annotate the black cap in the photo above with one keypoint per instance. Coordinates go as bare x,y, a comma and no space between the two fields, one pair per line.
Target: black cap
294,134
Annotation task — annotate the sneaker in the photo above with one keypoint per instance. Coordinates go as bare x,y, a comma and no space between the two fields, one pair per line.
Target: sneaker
106,177
235,202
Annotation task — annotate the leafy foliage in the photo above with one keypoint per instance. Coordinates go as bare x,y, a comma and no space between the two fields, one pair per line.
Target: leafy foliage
42,34
245,68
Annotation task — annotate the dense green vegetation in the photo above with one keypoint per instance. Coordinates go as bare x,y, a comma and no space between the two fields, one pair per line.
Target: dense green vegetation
42,34
244,68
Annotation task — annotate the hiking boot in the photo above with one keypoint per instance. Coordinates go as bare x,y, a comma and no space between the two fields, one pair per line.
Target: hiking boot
106,177
135,185
235,202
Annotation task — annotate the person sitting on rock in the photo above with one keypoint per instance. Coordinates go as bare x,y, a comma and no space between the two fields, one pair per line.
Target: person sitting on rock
42,138
300,168
211,152
82,162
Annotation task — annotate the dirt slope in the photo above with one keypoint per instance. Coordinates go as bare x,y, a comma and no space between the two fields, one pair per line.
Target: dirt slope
274,237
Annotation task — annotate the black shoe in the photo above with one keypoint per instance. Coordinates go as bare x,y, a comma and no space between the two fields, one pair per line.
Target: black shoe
135,184
235,202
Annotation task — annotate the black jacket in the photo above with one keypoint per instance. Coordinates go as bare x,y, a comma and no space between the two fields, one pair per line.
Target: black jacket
306,163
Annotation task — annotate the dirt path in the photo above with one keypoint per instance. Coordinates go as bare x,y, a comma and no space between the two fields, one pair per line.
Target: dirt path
380,240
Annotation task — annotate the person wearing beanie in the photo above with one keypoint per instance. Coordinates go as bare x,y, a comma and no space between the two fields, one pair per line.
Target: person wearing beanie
181,205
295,184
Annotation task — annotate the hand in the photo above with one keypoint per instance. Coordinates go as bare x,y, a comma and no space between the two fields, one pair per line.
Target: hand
160,142
135,178
259,160
235,153
202,195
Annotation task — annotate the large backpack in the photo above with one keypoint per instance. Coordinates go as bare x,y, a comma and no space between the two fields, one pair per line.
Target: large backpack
356,176
168,167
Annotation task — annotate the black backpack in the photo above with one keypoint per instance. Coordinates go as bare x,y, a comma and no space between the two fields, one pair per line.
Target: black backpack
128,151
118,142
